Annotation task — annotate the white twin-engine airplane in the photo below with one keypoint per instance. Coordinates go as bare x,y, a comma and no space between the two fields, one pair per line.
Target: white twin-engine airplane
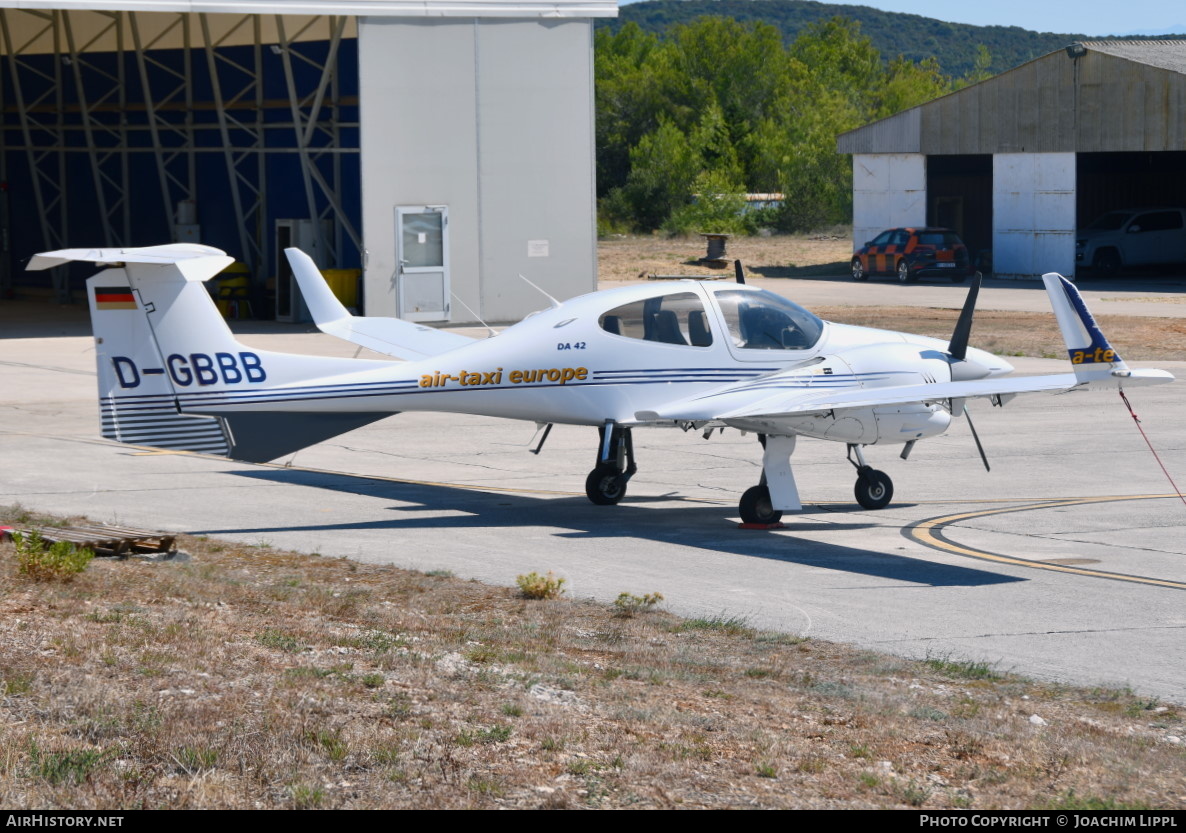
690,355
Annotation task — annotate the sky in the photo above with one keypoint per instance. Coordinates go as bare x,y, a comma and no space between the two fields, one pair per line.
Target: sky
1088,17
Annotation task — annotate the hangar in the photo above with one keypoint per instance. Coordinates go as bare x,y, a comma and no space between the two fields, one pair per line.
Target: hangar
440,147
1017,162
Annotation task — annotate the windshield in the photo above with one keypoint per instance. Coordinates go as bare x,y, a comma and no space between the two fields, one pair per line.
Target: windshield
1110,221
764,321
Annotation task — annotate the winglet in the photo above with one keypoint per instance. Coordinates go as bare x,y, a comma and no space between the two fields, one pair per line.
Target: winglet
1090,352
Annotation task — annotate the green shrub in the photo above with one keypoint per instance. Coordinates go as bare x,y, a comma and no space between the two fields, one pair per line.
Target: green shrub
42,561
535,586
628,604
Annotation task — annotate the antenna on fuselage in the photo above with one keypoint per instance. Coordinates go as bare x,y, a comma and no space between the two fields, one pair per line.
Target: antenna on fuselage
478,318
555,303
737,270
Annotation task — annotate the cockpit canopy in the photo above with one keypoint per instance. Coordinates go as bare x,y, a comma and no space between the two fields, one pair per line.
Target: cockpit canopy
754,319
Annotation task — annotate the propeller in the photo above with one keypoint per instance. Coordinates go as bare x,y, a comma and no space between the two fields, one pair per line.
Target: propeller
957,349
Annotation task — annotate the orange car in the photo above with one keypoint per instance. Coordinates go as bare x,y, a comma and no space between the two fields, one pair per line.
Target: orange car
913,253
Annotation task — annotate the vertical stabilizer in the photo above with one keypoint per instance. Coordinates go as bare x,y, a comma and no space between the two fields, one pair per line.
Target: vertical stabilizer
137,402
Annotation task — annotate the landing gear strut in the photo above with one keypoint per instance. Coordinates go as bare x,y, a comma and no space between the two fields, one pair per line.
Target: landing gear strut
776,492
874,489
606,484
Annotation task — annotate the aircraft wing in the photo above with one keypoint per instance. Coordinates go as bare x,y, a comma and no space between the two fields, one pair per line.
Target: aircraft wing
739,403
390,336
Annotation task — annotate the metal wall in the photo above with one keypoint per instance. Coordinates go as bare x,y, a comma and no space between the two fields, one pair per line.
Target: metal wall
889,190
1033,209
1121,96
494,119
119,126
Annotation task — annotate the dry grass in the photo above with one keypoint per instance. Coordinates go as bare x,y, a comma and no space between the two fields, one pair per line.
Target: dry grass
1024,333
248,677
782,256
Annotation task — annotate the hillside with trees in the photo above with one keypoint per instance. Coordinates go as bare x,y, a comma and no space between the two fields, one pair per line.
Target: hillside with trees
954,45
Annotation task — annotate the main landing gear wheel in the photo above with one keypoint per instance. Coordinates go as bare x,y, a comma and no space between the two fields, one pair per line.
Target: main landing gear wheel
756,508
874,489
605,485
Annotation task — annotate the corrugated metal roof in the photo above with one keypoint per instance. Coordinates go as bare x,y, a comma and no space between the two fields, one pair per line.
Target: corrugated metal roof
1117,96
1163,54
361,8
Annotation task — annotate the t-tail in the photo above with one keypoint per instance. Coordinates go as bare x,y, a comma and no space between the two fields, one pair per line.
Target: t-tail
1095,361
170,370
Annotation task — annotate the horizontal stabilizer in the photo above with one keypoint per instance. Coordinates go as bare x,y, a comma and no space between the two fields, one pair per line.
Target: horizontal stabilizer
390,336
194,262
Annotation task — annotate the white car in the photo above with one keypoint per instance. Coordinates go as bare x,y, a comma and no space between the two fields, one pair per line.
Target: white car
1132,237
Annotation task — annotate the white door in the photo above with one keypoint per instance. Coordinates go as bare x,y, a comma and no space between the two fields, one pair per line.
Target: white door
422,255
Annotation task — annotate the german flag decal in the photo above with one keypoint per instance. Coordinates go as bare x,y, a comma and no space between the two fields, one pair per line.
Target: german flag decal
114,297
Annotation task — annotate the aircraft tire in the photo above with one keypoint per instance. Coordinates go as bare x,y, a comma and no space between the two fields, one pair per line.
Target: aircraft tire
755,507
874,489
602,486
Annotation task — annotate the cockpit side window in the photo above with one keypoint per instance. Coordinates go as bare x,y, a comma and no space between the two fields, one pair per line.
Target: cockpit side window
678,318
764,321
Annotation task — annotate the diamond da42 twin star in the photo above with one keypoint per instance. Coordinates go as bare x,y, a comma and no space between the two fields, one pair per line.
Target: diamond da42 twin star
686,354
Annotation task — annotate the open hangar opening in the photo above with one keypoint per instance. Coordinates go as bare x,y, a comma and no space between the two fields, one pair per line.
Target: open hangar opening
1018,163
429,152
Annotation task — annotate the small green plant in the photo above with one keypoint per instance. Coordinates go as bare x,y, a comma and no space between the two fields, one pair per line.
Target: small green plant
60,767
281,641
1070,801
628,604
511,710
306,798
16,683
535,586
439,573
195,759
766,770
330,743
373,680
582,766
42,561
732,625
969,669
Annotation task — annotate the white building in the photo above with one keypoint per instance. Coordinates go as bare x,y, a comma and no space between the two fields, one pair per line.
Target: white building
1016,163
443,146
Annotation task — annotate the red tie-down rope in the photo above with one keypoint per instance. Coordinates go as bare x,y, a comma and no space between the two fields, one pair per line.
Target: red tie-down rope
1137,420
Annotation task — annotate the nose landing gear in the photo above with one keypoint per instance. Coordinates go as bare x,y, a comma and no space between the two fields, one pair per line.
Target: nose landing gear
874,489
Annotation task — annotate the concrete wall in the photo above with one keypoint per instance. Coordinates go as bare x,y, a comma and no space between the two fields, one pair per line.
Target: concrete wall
1033,206
889,190
493,118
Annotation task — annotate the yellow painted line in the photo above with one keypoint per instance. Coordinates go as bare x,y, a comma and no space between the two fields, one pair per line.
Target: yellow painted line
930,533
